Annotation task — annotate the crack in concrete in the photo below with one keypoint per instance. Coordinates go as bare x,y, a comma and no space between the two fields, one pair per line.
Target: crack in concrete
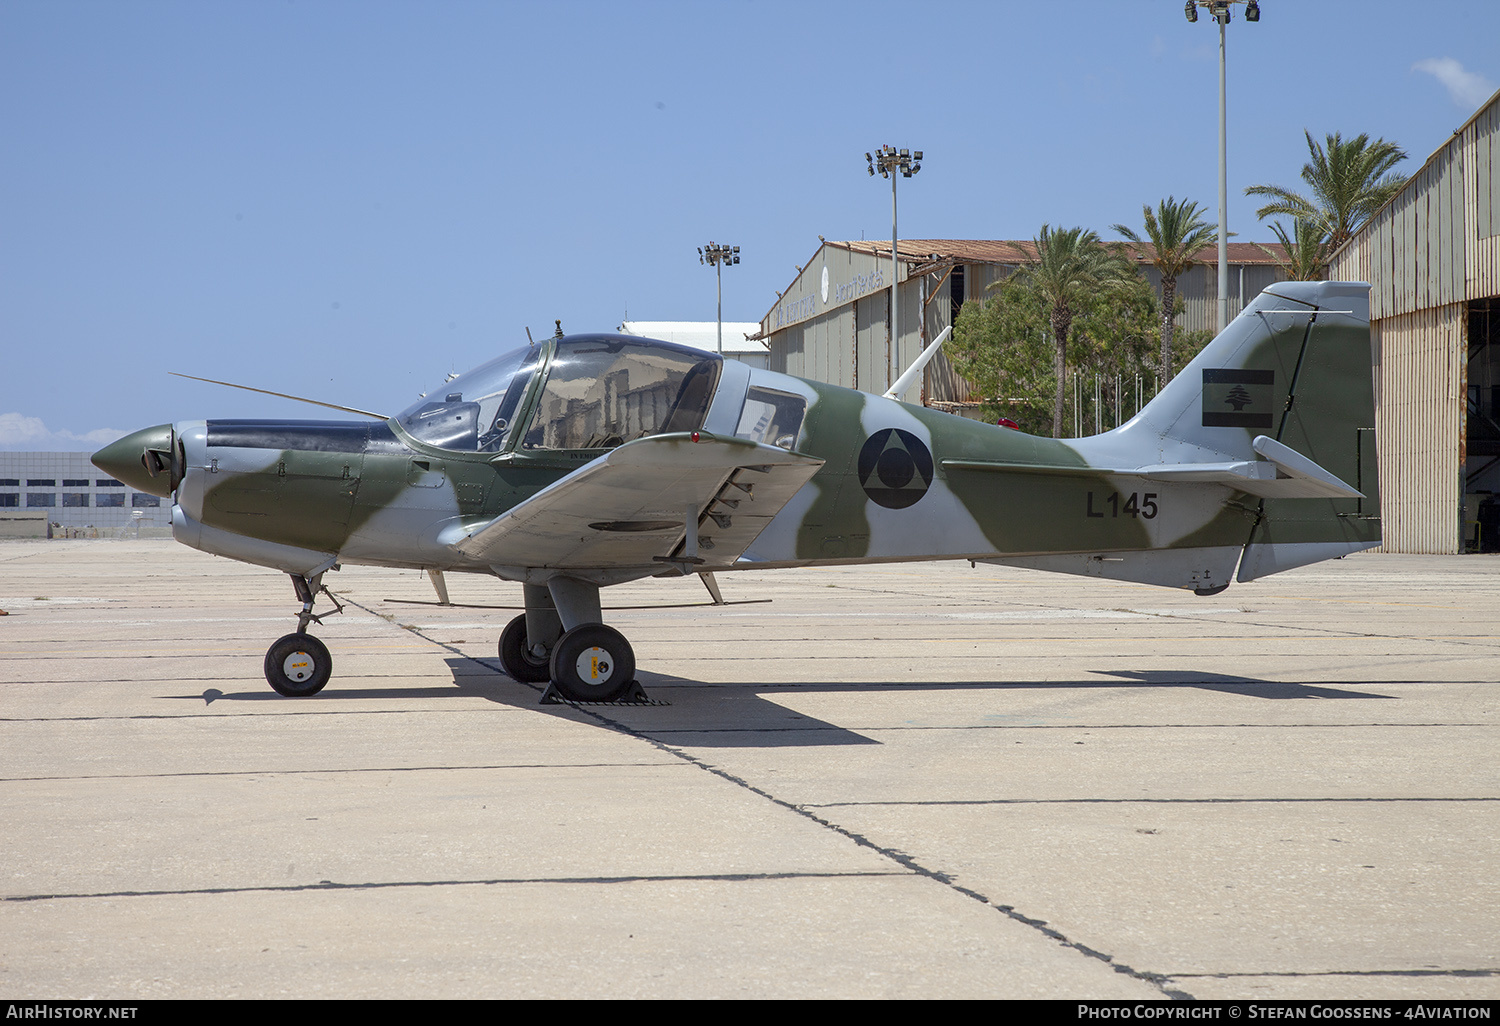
899,857
1320,974
375,885
1144,801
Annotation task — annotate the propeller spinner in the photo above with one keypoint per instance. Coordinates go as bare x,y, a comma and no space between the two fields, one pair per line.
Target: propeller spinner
150,460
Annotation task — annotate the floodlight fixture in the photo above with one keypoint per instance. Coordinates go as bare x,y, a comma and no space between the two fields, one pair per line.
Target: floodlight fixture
1220,10
888,161
720,257
893,164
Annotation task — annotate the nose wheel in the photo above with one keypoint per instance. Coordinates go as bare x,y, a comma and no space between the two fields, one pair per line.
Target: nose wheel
298,665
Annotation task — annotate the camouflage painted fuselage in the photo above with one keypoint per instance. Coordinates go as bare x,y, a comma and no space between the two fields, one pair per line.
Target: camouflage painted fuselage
1159,499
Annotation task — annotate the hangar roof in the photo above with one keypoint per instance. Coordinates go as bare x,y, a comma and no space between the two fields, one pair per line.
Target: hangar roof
809,292
996,251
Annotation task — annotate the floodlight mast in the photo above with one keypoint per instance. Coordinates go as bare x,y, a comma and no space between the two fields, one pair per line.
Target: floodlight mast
893,163
1220,10
718,255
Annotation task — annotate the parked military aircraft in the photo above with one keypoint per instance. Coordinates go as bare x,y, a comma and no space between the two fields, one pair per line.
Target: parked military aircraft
588,460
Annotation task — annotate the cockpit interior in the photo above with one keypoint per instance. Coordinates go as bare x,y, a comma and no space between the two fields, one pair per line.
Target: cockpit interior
591,392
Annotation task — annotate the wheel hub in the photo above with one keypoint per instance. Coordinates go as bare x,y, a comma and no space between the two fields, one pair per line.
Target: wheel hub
298,666
595,665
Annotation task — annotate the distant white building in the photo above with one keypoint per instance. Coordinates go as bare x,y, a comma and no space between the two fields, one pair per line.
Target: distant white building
704,335
65,490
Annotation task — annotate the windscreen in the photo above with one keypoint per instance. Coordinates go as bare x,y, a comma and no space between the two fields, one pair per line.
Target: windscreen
475,411
605,391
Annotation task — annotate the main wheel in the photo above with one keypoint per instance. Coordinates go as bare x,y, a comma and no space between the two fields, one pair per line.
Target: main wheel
298,665
517,657
592,663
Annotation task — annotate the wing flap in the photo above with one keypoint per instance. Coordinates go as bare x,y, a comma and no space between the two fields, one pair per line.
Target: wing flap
630,507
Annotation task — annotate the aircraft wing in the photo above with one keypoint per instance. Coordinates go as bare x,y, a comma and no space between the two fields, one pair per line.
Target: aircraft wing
646,503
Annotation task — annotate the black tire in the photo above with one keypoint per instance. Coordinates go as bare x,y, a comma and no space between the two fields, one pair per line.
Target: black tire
298,665
516,656
592,663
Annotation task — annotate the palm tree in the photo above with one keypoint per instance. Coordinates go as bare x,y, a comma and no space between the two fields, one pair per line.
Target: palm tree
1304,256
1175,231
1350,181
1070,263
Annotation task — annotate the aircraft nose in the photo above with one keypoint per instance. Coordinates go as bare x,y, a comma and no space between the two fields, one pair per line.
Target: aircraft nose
150,460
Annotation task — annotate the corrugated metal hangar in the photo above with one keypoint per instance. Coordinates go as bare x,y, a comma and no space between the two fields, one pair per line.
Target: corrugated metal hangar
1432,257
831,322
705,335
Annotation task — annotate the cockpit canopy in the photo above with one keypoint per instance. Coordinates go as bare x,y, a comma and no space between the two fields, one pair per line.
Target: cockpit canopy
599,391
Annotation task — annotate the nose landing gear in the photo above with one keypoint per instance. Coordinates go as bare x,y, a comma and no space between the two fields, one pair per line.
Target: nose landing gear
298,664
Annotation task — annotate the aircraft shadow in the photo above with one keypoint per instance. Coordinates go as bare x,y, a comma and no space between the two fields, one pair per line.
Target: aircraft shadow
747,716
687,711
1250,687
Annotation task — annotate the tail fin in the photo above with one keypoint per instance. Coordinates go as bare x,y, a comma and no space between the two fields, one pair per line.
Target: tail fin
1281,406
1325,388
1295,365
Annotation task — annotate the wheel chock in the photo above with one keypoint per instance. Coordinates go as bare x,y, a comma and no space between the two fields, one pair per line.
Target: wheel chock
633,694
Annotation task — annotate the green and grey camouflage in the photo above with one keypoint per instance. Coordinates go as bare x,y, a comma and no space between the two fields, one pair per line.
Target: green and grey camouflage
589,460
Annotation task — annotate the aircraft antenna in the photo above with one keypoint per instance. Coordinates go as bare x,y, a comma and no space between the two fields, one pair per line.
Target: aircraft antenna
284,395
909,377
558,333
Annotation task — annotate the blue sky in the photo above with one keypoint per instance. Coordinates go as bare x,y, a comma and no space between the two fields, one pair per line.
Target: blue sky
347,200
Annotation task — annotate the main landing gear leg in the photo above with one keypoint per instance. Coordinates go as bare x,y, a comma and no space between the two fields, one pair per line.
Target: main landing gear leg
589,661
298,665
527,644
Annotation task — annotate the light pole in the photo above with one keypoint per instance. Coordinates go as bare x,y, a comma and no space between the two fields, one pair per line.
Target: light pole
1220,11
893,163
718,255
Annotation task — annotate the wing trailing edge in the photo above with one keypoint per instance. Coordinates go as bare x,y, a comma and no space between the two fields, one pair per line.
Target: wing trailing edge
687,500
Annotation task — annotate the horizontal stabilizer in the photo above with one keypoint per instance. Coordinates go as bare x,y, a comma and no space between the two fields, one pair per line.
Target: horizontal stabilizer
1283,474
1315,481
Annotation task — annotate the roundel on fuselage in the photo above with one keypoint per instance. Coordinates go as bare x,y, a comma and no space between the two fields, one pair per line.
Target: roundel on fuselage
895,468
